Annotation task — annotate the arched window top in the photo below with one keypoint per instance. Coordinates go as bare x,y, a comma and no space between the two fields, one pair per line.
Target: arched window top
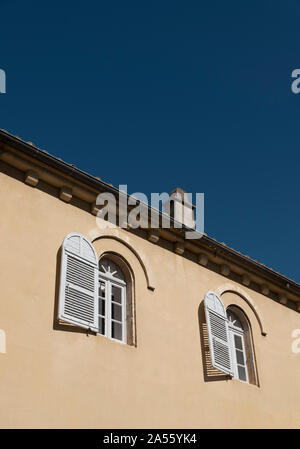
79,245
237,318
110,269
234,320
213,302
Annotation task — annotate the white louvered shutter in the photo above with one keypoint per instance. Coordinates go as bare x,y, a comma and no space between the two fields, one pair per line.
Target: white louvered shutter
78,294
218,336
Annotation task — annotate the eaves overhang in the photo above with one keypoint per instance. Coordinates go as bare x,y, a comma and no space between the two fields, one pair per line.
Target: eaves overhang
97,184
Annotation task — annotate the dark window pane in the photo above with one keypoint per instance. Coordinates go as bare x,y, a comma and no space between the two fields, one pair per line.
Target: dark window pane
233,319
102,307
116,312
240,357
116,330
238,342
101,326
116,294
102,290
108,266
242,373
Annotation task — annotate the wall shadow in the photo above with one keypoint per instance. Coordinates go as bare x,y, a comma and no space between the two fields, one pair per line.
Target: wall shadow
210,373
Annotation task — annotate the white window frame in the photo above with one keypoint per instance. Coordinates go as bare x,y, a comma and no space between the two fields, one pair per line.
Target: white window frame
111,281
233,330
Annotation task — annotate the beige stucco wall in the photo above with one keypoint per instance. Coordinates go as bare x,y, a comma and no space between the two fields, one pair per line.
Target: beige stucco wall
59,378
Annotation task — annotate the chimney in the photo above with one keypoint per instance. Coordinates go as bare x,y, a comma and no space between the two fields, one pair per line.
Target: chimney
180,208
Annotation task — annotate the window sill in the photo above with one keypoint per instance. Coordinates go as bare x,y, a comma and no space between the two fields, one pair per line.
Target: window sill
234,379
115,340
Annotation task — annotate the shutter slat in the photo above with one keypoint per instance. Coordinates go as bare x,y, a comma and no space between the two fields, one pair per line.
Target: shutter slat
218,326
73,300
80,273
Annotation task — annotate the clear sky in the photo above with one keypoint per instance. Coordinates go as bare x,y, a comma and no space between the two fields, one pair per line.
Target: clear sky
165,94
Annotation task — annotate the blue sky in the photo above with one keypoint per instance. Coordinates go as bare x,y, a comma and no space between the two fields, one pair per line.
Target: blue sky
166,94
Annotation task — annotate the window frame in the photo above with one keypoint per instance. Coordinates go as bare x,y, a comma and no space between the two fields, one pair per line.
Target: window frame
234,330
111,281
248,343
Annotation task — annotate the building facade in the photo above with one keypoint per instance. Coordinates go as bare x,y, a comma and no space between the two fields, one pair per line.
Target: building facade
106,327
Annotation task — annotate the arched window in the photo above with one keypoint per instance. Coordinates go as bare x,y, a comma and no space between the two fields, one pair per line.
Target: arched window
112,300
96,295
237,345
240,345
230,340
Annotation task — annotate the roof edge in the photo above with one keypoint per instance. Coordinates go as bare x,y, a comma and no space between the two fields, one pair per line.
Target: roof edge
43,156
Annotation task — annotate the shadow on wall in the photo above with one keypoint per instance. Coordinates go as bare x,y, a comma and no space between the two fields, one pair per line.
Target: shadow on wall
210,373
57,326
